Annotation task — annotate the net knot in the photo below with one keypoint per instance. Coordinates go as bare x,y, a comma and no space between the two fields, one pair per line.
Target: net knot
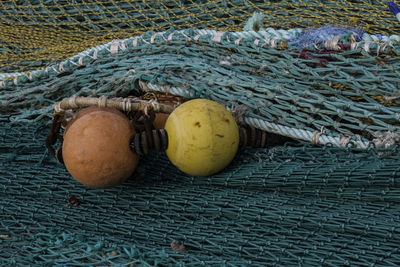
385,139
344,140
126,105
153,105
102,103
238,112
316,135
72,102
57,107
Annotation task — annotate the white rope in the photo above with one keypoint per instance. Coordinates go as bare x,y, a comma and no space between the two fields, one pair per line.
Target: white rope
318,137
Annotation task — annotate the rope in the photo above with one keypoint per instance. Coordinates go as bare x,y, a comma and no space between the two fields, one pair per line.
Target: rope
126,105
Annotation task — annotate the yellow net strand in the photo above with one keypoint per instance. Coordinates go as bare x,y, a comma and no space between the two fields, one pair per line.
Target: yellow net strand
35,31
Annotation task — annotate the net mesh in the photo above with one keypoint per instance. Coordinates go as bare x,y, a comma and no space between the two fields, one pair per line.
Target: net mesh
35,33
283,205
293,203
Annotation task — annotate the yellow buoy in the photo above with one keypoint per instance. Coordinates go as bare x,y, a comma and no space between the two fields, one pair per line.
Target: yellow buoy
203,137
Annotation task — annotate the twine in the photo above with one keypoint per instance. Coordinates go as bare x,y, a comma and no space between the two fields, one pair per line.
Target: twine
316,135
102,103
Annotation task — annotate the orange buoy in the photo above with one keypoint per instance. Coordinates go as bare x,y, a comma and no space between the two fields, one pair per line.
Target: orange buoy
96,148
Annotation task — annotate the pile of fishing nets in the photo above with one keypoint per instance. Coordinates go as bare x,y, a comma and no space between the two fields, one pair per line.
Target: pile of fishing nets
322,73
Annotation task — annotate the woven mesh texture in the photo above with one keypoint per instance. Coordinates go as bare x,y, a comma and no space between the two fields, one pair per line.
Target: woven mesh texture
292,204
285,205
34,33
353,93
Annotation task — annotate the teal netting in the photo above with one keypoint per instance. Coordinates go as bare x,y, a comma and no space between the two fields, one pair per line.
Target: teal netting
352,95
285,205
291,204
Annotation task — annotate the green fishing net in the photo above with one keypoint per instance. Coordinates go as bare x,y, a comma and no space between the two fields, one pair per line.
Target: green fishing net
330,197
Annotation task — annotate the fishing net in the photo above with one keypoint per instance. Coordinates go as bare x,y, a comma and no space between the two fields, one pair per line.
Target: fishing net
322,73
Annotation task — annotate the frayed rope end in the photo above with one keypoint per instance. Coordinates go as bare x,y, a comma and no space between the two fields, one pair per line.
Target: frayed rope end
255,23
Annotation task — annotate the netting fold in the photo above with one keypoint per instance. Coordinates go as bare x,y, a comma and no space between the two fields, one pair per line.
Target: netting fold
324,73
